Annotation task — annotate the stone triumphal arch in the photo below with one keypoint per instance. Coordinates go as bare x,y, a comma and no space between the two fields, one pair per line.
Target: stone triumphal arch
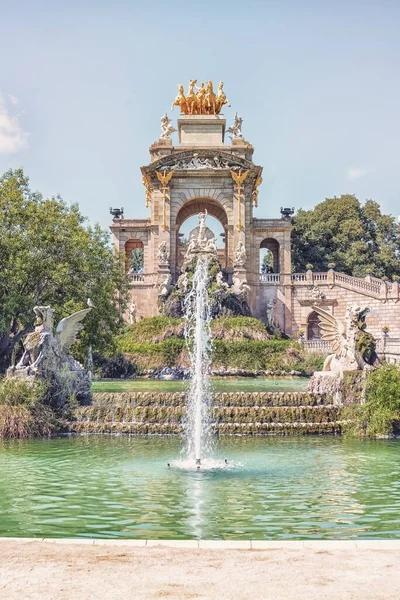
202,172
210,168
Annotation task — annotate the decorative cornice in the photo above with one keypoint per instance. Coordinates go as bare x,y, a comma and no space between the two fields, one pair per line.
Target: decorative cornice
197,160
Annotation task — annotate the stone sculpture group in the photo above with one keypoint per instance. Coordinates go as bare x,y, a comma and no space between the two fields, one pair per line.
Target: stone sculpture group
46,356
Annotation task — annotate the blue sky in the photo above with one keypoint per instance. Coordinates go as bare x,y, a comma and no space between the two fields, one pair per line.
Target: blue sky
83,85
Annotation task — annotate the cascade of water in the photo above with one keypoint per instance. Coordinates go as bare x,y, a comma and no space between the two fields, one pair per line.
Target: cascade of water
198,335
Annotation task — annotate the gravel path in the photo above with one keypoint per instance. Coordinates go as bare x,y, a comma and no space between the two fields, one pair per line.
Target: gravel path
35,569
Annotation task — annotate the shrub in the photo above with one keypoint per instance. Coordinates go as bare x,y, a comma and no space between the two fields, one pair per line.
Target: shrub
21,413
17,392
155,329
382,404
238,328
116,367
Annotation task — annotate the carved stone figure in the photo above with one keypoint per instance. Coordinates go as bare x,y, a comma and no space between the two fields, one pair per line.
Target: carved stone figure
239,287
202,228
132,312
196,162
211,245
219,280
236,129
166,128
316,293
193,245
165,286
344,337
240,255
270,312
46,356
163,254
183,282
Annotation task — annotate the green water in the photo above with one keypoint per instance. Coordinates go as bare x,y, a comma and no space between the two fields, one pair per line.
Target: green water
274,488
219,384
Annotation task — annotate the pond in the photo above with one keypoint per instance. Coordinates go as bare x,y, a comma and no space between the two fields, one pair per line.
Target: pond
272,488
219,384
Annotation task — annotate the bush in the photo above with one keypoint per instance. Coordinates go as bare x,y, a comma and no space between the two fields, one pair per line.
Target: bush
116,367
21,413
238,328
381,410
17,392
155,329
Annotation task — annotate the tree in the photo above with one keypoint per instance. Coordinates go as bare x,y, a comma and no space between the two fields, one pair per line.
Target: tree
49,256
137,260
357,238
267,264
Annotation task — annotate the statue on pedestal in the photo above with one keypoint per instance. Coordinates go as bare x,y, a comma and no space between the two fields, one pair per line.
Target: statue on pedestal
166,128
240,255
46,356
236,129
165,286
270,312
163,254
132,312
347,353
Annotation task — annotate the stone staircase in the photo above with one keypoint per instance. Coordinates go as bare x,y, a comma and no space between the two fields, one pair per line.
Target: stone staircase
238,413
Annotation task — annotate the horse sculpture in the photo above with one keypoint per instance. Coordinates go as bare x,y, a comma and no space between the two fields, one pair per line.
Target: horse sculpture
210,99
191,98
180,100
221,98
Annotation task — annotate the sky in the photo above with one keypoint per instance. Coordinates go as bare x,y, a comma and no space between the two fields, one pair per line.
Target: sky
83,85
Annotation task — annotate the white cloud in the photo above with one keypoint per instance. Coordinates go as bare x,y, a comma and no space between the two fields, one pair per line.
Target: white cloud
13,99
356,173
12,135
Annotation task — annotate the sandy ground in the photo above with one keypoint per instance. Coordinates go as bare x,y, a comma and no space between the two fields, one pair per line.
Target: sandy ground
46,570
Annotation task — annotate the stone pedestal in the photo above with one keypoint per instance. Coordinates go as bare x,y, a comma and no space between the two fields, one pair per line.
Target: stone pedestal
201,130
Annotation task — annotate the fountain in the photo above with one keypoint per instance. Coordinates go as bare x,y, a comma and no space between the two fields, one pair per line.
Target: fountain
197,332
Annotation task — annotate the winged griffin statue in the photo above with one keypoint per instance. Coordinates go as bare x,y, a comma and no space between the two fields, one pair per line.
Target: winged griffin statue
46,354
353,348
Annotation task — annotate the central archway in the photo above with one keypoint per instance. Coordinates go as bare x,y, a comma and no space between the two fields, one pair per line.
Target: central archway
194,207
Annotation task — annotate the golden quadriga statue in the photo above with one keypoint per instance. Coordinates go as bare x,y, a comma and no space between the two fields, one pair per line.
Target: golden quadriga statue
203,101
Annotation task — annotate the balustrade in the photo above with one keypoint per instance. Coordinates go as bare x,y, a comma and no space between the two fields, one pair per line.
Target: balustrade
271,278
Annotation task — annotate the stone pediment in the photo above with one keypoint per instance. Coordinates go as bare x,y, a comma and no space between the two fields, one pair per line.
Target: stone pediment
201,160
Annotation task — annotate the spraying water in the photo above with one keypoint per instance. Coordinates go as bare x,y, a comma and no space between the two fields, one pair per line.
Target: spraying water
197,332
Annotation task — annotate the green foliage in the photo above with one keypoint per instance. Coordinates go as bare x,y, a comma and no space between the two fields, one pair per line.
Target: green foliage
137,260
22,414
117,366
153,356
382,406
366,346
154,329
254,355
49,256
17,392
238,342
358,238
238,328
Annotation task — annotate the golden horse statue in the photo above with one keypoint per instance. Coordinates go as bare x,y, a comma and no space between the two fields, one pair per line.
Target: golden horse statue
201,92
221,98
180,100
191,98
202,102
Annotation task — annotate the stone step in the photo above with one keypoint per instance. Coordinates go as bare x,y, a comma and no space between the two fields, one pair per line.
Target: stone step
221,429
172,399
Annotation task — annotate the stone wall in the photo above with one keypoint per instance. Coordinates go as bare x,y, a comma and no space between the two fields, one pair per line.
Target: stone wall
335,299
